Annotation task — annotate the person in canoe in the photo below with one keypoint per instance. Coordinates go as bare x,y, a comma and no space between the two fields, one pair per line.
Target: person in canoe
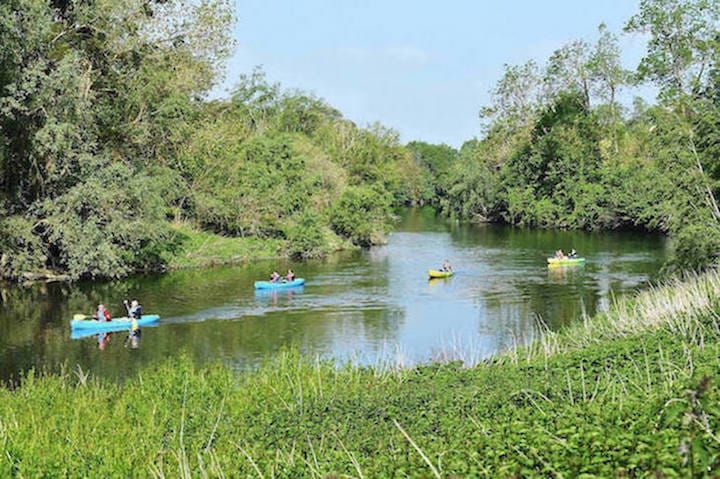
446,267
134,309
573,254
559,254
102,314
274,277
290,277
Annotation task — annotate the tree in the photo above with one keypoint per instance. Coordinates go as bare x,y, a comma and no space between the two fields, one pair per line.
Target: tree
683,40
515,98
567,72
608,76
681,54
91,92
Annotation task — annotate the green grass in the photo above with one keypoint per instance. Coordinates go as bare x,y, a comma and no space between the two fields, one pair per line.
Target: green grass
633,393
202,249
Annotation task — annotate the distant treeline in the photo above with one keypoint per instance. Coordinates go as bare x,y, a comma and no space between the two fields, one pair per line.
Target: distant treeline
110,151
560,150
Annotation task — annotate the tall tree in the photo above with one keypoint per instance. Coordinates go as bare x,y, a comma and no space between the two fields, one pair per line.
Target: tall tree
567,72
515,98
682,40
681,51
608,75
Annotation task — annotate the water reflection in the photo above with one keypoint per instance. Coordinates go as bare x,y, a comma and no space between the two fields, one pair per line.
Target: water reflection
362,304
284,293
103,339
133,338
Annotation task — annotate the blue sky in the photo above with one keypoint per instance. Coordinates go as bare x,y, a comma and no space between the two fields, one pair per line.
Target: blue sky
423,68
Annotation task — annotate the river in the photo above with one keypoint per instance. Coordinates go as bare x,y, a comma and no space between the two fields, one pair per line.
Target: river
374,306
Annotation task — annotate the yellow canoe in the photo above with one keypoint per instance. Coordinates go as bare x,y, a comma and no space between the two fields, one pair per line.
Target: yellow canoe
559,261
440,274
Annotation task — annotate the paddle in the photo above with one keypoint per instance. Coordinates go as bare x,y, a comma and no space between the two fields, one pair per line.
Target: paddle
85,316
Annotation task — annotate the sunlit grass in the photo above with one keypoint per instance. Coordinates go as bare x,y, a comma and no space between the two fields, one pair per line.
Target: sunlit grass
202,248
686,307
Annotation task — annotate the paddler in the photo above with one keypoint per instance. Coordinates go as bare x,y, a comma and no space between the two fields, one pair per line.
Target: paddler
134,309
102,314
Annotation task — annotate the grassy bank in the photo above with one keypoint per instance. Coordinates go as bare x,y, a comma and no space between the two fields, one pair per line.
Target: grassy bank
631,393
200,249
196,249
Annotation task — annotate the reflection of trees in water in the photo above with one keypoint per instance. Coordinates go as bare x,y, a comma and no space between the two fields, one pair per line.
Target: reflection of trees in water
29,315
423,220
545,242
559,304
34,325
506,323
33,320
515,315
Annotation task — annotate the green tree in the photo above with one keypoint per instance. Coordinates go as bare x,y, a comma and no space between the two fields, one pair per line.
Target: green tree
436,161
567,71
683,36
608,77
361,214
515,98
94,87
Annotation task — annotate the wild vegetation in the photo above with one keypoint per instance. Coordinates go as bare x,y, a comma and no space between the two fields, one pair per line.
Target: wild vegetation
112,159
561,151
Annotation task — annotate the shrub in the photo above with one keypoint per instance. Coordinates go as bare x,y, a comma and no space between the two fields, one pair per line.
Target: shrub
361,214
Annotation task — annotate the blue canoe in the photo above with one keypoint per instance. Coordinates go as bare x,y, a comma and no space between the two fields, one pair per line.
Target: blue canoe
113,325
287,284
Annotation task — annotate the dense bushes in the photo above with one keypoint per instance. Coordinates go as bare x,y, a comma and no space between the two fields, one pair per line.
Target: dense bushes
103,146
361,214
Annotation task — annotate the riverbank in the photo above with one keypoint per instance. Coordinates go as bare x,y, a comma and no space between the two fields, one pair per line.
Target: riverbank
631,392
196,248
202,249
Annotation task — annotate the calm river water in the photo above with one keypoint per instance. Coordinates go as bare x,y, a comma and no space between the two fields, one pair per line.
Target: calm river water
369,306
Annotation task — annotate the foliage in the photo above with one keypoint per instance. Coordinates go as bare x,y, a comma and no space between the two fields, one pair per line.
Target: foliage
560,151
307,237
361,214
255,172
436,161
683,40
194,248
105,139
91,96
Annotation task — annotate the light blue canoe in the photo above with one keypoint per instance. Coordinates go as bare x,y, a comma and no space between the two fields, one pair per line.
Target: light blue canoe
279,285
112,325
